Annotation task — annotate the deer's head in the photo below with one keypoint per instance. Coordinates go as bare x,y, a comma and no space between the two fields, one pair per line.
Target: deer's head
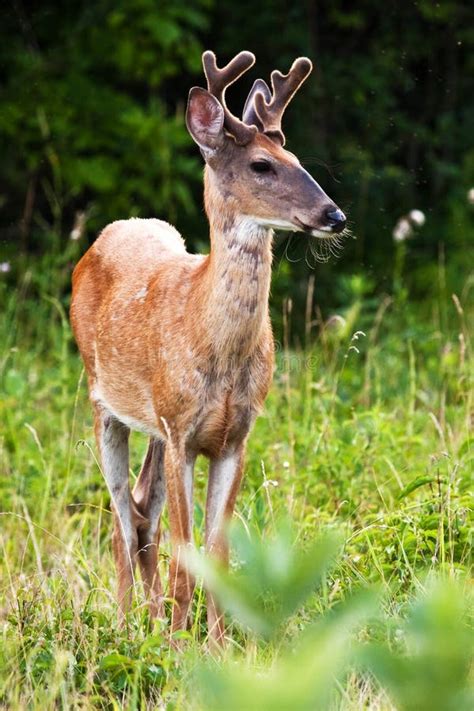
248,171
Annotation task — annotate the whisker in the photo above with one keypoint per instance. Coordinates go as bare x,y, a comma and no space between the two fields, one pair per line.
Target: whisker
295,260
308,248
323,248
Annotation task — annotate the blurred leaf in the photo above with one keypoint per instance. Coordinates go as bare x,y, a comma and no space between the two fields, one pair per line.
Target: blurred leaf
415,484
303,678
434,673
274,577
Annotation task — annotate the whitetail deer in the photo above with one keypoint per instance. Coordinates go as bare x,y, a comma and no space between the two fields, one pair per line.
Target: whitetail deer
180,346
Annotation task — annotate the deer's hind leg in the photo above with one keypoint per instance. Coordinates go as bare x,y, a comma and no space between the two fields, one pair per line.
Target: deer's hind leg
112,441
149,496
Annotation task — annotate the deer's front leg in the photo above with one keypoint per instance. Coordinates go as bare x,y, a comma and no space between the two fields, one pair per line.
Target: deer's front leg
179,486
112,442
225,475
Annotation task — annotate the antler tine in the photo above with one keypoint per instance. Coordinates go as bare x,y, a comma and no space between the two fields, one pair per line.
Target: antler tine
284,87
218,79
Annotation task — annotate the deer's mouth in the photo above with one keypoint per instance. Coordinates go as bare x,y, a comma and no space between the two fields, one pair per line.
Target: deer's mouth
312,231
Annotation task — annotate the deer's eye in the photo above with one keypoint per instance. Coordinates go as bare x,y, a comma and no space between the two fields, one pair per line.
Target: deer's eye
261,166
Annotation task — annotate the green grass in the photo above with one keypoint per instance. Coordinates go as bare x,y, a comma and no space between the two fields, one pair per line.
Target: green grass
367,435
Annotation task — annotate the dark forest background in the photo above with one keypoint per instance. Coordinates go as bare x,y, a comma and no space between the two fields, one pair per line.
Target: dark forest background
92,104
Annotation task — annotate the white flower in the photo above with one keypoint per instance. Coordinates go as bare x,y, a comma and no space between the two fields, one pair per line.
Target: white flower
269,482
402,230
336,321
470,196
417,217
79,224
5,267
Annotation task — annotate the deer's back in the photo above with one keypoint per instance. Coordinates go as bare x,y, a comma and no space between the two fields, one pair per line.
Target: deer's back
116,271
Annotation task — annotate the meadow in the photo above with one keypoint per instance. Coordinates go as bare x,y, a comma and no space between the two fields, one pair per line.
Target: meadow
349,585
351,558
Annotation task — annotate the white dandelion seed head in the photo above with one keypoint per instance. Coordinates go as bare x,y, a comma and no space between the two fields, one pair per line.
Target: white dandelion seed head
336,322
268,483
402,230
417,217
5,267
470,196
79,225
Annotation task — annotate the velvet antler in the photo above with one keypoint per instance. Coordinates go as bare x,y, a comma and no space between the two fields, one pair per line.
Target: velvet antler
269,109
217,82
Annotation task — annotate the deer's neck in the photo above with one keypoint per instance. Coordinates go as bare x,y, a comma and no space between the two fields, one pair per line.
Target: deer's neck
236,285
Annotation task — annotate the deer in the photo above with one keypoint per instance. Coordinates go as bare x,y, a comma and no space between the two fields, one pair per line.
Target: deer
179,346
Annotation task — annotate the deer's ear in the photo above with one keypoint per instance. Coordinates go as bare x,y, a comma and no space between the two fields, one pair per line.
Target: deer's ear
205,120
250,116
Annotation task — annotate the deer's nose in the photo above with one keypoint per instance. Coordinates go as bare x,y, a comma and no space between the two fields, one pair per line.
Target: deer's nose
335,218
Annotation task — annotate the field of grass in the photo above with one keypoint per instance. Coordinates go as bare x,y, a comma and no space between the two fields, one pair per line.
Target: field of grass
364,440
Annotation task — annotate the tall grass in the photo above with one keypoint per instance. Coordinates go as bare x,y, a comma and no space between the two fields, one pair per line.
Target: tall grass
366,432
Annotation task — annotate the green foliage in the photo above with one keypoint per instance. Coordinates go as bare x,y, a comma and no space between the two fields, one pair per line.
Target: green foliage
433,672
85,123
273,580
426,667
64,650
305,677
365,432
